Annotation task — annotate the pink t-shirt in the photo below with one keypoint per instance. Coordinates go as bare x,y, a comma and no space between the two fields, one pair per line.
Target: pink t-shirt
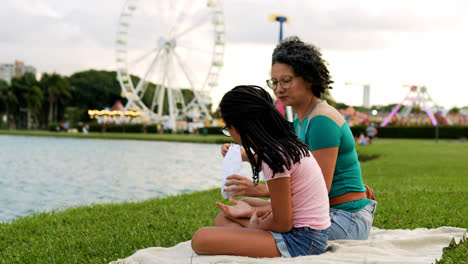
310,205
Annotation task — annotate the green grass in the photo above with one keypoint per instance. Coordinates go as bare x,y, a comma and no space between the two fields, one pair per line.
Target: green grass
455,253
102,233
417,183
134,136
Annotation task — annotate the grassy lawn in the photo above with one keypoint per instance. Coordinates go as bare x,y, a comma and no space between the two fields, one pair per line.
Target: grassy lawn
417,183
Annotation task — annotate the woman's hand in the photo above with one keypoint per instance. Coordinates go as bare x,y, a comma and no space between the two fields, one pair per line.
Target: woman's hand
240,209
245,187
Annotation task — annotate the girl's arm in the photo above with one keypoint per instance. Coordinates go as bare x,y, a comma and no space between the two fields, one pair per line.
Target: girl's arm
326,159
244,208
245,187
280,220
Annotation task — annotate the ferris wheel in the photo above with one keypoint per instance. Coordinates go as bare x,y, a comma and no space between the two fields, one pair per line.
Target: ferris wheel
164,47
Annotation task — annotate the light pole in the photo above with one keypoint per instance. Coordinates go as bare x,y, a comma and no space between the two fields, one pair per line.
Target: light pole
282,19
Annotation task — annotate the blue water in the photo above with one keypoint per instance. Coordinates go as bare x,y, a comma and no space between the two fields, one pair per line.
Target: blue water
43,173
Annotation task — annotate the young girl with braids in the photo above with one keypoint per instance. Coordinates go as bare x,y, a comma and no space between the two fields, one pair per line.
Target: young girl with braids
298,220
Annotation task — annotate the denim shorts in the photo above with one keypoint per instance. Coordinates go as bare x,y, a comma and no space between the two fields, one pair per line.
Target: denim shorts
301,241
356,225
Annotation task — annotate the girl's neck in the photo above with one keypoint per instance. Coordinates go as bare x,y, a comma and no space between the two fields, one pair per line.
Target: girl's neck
302,110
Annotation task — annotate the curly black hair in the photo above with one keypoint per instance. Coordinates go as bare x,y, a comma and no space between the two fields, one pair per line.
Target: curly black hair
306,61
262,129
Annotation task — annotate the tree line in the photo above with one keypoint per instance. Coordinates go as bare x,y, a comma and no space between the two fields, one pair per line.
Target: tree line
57,98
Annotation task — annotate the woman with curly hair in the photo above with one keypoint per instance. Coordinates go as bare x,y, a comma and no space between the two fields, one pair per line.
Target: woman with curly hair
299,77
298,220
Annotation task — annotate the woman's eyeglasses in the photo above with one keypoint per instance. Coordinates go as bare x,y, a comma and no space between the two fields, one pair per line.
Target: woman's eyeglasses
225,131
285,83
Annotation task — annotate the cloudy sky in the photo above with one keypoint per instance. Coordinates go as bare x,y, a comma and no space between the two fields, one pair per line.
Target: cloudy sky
386,44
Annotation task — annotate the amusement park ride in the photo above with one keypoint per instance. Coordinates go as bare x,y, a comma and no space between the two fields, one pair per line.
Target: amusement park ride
416,97
170,45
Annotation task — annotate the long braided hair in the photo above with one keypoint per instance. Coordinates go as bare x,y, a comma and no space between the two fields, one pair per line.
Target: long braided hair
262,129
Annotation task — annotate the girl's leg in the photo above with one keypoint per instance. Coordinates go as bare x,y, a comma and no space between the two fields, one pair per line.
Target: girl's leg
223,221
234,241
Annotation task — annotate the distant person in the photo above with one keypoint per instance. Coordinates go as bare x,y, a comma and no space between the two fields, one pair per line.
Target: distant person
371,132
190,128
85,129
297,221
299,78
363,140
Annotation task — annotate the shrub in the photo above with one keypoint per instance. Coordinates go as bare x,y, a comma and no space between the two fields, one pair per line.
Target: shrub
452,132
209,130
53,126
123,128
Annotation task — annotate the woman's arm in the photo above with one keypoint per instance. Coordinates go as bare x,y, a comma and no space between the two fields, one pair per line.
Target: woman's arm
326,159
280,220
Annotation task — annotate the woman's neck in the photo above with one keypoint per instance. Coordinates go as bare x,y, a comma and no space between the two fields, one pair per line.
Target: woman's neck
302,110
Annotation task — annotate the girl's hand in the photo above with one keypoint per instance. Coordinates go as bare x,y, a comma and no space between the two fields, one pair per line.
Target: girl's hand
256,222
225,148
240,209
245,187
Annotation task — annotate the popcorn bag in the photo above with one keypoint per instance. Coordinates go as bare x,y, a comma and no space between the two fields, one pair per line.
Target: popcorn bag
232,164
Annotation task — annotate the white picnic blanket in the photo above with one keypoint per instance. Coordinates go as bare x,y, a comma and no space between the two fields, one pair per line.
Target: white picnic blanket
419,245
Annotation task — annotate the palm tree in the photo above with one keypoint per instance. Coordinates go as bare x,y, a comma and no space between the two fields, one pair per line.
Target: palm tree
28,95
8,101
58,90
3,91
34,99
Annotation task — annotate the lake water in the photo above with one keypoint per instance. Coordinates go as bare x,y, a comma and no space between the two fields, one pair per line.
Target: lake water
44,173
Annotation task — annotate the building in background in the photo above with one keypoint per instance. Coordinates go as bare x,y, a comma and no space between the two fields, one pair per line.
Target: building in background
366,96
17,69
6,72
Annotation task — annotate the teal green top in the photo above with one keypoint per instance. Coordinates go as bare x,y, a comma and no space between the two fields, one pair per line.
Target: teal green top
322,132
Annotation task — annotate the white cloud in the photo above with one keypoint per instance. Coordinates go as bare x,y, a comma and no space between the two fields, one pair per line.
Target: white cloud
386,44
36,8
